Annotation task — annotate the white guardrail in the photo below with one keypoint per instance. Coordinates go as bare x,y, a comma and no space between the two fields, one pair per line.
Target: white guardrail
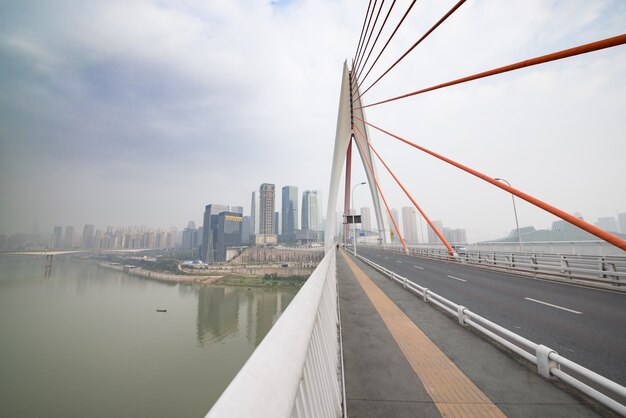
295,371
548,362
602,269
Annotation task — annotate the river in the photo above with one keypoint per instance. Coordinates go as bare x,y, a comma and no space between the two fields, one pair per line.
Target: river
88,341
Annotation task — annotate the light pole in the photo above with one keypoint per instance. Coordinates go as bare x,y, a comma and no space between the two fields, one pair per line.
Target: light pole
519,235
351,208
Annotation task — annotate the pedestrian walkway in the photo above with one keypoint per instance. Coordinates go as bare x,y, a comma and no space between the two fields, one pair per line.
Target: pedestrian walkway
405,358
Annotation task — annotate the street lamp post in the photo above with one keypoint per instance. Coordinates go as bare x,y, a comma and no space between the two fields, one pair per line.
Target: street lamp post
351,208
519,235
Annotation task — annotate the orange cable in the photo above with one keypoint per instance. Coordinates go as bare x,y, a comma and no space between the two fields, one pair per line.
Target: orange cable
369,167
566,53
434,228
594,230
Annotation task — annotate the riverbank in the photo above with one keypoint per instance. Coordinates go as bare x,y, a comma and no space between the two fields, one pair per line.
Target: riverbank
167,277
222,280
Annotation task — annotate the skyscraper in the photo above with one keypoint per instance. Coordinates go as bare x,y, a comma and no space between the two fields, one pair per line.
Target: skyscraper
68,239
228,233
190,236
266,210
56,237
409,222
289,213
237,209
277,223
255,213
432,237
607,223
88,241
311,210
209,231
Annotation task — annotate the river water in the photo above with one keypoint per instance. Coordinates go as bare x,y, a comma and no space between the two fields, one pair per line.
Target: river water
87,341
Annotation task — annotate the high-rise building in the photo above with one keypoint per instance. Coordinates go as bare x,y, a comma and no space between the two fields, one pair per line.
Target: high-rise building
455,236
88,241
245,230
607,223
432,237
276,223
237,209
255,206
228,233
266,210
366,219
311,205
622,222
394,236
56,237
68,239
209,231
289,213
190,236
409,222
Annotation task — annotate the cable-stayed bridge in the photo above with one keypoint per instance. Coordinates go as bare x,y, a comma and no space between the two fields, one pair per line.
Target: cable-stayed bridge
391,331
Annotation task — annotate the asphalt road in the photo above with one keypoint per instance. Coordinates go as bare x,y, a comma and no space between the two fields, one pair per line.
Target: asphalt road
585,325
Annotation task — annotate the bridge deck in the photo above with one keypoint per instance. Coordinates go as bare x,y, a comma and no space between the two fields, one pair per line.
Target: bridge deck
405,358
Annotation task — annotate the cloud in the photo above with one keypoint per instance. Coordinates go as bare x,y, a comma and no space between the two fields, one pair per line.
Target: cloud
174,105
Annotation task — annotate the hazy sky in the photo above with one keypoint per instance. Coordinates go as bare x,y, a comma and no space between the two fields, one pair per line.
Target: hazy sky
141,112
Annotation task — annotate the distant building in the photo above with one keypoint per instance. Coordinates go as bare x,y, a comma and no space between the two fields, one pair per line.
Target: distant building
311,210
607,223
394,235
88,231
255,206
190,236
560,231
432,236
262,219
245,230
209,231
237,209
622,222
266,210
228,233
289,213
455,236
366,219
56,237
68,239
409,222
276,223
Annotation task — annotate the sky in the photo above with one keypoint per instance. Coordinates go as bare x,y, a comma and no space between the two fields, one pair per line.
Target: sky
142,112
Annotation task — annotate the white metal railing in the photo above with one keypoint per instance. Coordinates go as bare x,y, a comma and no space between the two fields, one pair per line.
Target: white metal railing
295,371
601,269
548,362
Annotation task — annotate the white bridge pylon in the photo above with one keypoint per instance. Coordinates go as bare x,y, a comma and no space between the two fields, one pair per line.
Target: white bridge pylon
343,136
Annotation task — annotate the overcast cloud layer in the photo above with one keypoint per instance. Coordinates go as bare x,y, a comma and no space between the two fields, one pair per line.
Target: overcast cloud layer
142,112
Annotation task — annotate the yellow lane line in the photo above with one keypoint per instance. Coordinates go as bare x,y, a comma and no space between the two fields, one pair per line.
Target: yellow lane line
454,394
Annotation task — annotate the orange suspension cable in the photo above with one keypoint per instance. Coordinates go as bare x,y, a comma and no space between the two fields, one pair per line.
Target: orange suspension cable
388,40
566,53
369,167
594,230
447,15
369,38
434,228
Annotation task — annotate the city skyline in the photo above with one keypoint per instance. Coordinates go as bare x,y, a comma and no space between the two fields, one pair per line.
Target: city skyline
100,126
